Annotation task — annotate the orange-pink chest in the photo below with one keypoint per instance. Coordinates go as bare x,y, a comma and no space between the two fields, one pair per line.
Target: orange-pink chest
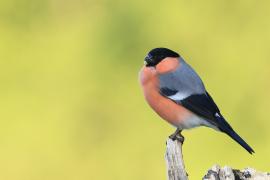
164,107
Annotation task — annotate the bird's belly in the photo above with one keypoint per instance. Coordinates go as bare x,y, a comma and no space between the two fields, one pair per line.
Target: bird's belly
175,114
195,121
192,122
168,110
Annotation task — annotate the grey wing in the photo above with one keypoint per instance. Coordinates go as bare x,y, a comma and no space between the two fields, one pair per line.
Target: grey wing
181,83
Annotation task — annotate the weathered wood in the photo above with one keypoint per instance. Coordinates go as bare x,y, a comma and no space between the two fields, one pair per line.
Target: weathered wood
174,160
176,168
227,173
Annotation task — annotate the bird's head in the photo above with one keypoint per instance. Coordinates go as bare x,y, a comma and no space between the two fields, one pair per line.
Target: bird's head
156,55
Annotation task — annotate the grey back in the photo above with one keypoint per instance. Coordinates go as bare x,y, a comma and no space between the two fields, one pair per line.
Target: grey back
184,80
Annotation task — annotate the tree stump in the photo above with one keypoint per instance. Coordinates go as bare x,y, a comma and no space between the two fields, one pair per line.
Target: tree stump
176,167
227,173
174,160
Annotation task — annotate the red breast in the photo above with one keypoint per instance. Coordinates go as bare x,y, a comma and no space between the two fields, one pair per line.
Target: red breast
164,107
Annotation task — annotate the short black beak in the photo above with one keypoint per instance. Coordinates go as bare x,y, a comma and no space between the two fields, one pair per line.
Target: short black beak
147,61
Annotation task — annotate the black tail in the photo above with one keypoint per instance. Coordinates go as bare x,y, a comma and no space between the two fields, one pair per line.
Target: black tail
226,128
238,139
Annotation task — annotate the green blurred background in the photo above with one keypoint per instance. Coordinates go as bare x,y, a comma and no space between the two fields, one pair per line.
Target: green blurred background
70,103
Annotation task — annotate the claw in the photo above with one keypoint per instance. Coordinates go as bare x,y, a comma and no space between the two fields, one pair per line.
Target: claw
177,136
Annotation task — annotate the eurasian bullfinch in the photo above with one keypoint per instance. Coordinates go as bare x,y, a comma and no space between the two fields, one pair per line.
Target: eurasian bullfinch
177,94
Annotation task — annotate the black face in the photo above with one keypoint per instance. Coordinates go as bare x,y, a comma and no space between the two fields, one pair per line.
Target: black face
158,54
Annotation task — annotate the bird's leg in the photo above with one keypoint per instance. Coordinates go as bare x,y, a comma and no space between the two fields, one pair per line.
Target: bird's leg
177,136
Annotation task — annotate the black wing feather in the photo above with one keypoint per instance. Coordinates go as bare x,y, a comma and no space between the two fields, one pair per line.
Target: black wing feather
212,101
202,105
167,91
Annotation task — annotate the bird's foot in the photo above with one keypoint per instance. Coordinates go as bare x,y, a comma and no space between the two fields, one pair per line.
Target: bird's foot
177,136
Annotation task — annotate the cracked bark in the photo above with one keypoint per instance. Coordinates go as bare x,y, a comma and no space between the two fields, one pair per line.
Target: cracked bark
227,173
176,168
174,160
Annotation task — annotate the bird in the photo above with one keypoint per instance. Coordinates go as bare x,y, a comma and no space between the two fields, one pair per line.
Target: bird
177,94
